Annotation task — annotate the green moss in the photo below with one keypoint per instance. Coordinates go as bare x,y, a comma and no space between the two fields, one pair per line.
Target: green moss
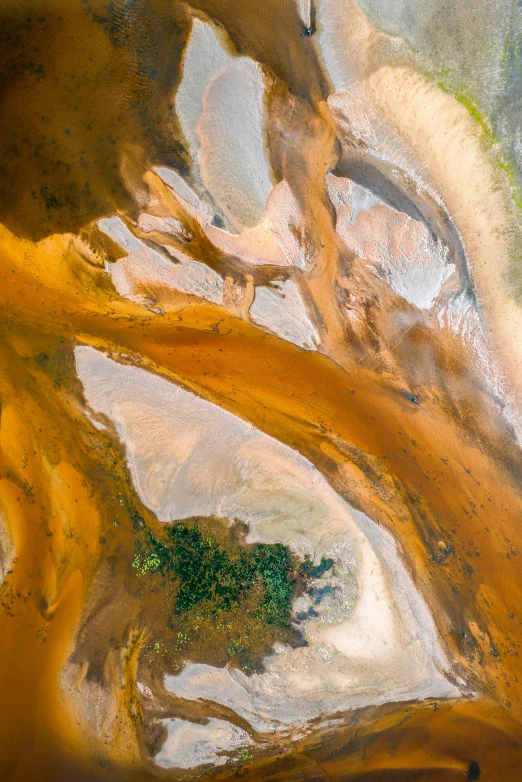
224,600
207,572
499,158
509,171
470,106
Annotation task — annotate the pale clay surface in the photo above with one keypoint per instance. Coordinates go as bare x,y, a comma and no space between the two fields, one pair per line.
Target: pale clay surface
189,744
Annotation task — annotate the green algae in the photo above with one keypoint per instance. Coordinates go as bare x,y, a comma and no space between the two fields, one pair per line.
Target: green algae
509,170
500,159
469,104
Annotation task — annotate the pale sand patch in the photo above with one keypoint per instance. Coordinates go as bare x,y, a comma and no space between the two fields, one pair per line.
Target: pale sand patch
281,309
190,744
204,58
304,11
232,159
411,117
347,40
6,549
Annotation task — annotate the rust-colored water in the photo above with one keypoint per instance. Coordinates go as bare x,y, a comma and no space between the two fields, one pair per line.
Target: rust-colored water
86,110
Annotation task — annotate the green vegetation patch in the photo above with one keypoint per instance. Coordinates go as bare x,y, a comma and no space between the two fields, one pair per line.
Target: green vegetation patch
223,599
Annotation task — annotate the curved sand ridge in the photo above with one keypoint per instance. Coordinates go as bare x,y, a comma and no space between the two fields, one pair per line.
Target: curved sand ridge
452,149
